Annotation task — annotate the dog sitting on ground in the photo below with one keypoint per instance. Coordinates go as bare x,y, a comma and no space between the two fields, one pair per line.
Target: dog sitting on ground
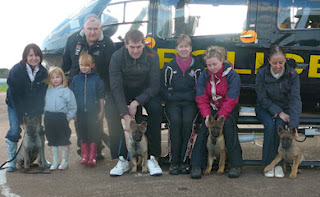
31,146
288,151
137,145
216,144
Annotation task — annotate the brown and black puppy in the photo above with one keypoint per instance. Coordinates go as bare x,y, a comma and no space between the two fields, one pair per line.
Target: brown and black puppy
31,146
288,151
137,145
216,144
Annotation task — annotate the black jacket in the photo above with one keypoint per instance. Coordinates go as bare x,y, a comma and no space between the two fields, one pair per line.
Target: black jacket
24,96
279,95
176,86
132,79
101,52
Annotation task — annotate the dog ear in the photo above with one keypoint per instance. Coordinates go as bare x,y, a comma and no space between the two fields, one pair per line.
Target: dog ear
293,131
144,125
132,123
221,119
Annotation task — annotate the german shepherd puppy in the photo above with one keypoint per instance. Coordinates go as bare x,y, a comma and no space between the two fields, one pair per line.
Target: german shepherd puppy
137,145
31,146
288,151
216,144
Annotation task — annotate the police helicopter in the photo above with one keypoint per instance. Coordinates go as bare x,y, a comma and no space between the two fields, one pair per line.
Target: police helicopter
246,28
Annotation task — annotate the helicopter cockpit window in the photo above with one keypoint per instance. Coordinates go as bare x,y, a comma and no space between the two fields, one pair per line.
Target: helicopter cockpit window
199,18
122,15
299,14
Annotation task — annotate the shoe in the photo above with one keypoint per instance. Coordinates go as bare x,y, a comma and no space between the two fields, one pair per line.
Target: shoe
183,169
270,173
84,154
174,169
196,172
12,149
65,158
234,172
153,167
55,157
278,172
93,154
122,166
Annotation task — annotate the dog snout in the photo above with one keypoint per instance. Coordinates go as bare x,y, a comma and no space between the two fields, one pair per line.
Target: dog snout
286,143
137,137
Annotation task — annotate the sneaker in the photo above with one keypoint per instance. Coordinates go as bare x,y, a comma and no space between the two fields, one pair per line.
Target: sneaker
278,172
270,173
122,166
153,167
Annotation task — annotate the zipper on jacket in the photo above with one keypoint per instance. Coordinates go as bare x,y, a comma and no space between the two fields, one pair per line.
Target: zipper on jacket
85,92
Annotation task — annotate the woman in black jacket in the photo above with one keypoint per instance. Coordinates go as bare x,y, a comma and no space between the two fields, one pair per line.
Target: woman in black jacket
25,95
178,90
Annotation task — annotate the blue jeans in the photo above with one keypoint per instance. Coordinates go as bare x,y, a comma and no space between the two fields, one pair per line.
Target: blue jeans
271,137
14,132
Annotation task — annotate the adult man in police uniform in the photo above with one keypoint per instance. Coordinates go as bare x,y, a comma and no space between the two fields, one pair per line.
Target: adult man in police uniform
134,81
90,40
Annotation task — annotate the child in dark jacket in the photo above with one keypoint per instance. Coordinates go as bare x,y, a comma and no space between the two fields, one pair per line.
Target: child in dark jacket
89,92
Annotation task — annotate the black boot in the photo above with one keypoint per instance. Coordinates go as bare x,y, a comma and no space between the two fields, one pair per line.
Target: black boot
195,172
174,169
184,169
234,172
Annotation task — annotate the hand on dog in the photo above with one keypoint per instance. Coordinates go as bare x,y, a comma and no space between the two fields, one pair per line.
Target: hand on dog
133,108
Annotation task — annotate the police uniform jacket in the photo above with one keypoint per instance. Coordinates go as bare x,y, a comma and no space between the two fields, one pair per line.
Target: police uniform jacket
101,52
176,86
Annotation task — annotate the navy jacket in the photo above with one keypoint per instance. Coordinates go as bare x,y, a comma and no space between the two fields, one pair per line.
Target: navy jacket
26,97
101,52
176,86
279,95
88,90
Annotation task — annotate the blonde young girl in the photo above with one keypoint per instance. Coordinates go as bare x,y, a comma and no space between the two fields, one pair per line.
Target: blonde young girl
60,108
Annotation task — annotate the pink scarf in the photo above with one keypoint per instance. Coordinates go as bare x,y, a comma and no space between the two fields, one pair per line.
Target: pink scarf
183,65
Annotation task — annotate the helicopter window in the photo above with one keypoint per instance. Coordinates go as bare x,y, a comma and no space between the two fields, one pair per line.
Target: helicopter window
299,14
198,18
120,16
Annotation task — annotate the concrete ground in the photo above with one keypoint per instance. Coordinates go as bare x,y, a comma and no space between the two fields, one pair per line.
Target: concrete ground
81,180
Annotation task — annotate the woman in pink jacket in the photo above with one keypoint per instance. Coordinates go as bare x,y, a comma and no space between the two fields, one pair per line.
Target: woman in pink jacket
217,94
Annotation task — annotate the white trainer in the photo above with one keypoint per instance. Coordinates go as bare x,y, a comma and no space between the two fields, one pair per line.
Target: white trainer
122,166
278,172
270,173
153,167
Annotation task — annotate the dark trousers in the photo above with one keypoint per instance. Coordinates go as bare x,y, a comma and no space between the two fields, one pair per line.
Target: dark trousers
271,138
117,140
88,127
180,116
233,148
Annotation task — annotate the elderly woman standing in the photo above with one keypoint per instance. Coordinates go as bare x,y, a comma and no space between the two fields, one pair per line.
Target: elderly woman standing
178,89
218,91
278,103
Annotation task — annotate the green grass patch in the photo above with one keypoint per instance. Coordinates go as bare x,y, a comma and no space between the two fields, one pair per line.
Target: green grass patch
3,88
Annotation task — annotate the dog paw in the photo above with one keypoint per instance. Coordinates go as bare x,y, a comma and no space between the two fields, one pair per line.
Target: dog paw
267,169
207,172
133,171
144,171
292,176
220,171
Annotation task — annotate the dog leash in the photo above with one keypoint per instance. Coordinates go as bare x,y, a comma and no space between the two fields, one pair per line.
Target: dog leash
14,157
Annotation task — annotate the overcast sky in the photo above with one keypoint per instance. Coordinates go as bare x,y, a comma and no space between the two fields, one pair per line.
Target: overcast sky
30,21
